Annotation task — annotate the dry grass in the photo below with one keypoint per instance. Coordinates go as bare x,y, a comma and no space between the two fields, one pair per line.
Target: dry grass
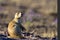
44,7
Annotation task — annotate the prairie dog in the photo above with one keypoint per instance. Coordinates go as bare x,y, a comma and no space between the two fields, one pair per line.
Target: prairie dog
15,28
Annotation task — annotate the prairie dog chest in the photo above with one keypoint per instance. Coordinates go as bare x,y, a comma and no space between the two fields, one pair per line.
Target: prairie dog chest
15,29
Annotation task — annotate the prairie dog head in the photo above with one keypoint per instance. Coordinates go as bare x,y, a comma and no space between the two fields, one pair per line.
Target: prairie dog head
18,15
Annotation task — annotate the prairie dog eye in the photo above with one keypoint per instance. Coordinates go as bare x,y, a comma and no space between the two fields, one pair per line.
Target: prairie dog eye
22,14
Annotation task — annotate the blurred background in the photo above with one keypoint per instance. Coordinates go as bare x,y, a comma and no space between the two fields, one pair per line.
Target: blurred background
39,16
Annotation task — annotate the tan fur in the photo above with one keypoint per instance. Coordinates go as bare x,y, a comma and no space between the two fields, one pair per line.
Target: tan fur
14,29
